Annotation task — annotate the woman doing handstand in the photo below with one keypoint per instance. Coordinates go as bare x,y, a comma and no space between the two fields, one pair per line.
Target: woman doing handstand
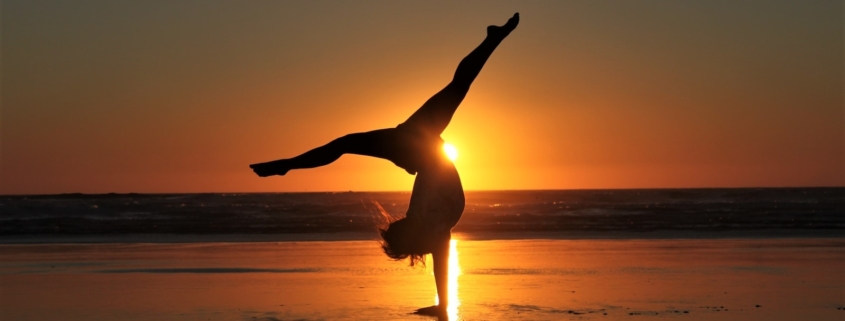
437,200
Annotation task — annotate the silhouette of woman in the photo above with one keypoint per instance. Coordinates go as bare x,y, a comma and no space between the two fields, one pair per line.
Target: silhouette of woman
437,200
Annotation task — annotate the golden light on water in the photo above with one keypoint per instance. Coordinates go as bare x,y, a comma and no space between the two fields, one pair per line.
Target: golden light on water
454,272
451,152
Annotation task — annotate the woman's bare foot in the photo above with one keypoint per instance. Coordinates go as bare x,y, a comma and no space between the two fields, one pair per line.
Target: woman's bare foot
270,168
503,31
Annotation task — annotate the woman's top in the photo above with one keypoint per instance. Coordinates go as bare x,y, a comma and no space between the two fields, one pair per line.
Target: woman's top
438,197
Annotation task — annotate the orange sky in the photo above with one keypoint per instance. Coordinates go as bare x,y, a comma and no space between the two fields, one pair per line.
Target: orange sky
181,97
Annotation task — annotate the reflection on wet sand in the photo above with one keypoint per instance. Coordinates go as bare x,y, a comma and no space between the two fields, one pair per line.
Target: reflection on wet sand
454,273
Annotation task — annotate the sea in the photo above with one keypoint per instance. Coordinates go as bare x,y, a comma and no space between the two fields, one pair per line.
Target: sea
489,215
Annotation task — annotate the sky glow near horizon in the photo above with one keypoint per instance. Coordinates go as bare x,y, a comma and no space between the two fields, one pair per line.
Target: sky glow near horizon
103,96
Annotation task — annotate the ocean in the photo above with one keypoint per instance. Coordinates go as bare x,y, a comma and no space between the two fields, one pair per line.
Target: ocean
556,214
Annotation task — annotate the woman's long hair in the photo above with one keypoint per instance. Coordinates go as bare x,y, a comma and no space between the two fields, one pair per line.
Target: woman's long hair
402,238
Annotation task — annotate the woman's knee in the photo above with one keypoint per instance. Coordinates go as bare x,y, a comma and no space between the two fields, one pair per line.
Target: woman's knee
347,140
457,89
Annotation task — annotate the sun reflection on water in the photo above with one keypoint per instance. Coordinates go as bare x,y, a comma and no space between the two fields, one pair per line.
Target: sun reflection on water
454,272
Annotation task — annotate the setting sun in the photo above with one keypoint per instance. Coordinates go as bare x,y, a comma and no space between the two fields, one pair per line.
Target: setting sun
450,151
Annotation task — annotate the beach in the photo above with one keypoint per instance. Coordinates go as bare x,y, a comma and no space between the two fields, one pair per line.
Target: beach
264,160
540,279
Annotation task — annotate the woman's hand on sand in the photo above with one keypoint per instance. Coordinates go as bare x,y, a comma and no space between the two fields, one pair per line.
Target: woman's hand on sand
434,310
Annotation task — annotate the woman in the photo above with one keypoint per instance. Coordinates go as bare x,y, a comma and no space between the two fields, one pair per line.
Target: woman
437,200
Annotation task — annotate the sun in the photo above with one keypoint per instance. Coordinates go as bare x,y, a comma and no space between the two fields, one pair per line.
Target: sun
450,151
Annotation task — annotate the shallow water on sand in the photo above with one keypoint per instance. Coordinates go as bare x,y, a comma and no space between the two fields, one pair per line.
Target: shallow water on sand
789,279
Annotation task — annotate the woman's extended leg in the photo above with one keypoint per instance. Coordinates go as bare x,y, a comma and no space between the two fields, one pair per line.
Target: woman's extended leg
376,143
436,113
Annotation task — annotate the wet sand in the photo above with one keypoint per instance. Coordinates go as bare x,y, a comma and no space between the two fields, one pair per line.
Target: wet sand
702,279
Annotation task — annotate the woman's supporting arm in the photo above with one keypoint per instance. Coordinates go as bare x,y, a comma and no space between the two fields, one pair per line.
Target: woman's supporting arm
440,257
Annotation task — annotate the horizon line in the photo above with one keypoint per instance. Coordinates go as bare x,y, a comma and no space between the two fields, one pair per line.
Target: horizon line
397,191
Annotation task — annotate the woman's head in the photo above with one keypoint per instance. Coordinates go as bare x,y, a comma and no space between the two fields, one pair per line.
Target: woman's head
406,238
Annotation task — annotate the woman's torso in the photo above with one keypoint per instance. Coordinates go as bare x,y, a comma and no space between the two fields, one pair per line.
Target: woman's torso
438,196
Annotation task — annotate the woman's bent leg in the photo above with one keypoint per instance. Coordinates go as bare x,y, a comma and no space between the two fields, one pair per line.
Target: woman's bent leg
436,113
369,144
